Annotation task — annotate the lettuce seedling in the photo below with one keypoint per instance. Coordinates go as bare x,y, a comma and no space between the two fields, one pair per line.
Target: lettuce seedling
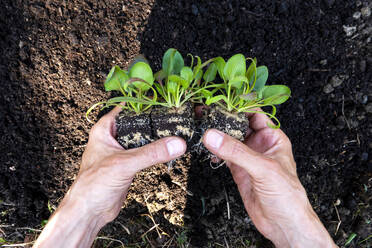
177,83
134,85
243,89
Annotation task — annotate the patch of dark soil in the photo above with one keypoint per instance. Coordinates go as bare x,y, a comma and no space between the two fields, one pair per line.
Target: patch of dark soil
305,46
233,124
53,60
54,56
133,130
179,122
136,130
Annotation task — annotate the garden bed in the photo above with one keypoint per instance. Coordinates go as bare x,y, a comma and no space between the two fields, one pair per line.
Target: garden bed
54,57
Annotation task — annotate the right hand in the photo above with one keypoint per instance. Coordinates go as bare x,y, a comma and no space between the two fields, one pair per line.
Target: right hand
264,169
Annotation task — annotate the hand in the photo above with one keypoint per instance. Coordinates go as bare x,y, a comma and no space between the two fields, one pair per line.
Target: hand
100,188
264,169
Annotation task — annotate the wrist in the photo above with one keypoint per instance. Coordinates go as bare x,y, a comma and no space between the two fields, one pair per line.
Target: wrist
72,225
307,231
77,207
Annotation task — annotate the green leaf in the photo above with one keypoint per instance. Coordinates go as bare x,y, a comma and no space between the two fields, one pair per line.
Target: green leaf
350,239
206,93
172,62
210,73
261,78
115,79
220,63
44,222
214,99
179,80
138,58
172,87
198,76
159,89
143,71
249,97
276,94
128,99
186,73
251,71
237,82
160,75
235,66
197,67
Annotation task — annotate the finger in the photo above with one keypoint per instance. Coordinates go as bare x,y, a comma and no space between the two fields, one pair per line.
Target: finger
110,116
234,151
273,143
250,114
263,140
106,125
258,121
268,140
160,151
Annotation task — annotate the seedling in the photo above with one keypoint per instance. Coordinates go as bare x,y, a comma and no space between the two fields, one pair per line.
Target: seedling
168,94
243,89
134,85
177,83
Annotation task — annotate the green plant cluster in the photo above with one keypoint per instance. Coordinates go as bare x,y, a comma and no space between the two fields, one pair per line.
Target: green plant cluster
230,84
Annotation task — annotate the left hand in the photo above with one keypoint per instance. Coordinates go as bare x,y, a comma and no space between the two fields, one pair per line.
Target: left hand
107,169
101,186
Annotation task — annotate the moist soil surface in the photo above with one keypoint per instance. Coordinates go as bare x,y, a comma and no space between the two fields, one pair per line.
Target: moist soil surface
133,130
54,56
233,124
174,121
136,130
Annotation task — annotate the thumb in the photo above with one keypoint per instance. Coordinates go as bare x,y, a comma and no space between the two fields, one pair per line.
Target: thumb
160,151
233,151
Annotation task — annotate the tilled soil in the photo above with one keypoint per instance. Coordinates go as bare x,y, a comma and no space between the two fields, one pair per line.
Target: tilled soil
54,56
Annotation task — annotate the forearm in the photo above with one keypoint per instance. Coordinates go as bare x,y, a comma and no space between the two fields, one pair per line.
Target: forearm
72,225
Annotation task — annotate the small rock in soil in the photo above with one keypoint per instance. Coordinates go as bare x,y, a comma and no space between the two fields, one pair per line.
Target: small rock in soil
73,39
323,62
328,88
357,15
364,99
366,12
369,108
21,44
194,9
337,80
349,30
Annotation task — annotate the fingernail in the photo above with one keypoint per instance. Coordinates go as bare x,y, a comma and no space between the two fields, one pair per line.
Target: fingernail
214,138
175,147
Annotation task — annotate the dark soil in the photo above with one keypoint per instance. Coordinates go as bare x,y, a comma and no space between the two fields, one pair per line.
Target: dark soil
174,121
234,124
54,56
133,130
138,130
